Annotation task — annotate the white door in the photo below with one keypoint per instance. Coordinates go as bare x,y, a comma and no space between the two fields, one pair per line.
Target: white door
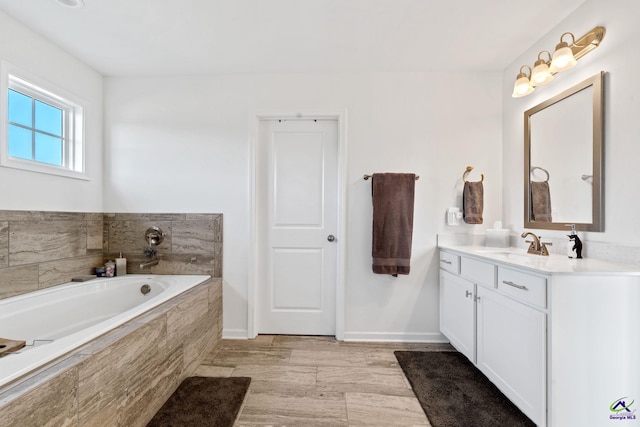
297,219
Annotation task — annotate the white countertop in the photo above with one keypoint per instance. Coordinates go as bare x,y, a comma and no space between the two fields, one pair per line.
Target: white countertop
552,264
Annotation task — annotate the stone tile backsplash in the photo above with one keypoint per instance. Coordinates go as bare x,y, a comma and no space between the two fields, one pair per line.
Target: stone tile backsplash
40,249
192,243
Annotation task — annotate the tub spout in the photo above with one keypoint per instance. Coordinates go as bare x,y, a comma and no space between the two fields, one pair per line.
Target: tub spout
148,264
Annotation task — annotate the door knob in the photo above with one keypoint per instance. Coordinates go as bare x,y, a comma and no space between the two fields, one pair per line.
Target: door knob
331,238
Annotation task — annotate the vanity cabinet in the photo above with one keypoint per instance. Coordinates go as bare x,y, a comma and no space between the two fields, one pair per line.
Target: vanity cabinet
511,350
458,313
557,336
496,318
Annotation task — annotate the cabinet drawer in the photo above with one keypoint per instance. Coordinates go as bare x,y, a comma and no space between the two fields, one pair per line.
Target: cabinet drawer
478,271
523,286
450,262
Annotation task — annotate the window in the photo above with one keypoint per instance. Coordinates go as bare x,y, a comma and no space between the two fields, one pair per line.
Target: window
42,131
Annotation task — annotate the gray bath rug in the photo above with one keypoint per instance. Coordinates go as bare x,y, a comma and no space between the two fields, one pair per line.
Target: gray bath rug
453,392
203,401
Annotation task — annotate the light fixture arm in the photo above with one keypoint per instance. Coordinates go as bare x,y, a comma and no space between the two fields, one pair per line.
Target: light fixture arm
523,74
573,39
548,61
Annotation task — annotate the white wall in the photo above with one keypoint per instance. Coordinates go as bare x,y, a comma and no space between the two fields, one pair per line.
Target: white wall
619,57
22,190
182,145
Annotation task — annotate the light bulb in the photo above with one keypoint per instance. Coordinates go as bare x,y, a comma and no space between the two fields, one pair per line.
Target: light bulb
562,58
540,74
522,87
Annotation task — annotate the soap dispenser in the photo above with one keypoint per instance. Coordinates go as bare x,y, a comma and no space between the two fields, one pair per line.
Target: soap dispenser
574,246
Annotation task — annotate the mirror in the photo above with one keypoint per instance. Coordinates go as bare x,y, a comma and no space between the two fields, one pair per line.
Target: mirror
563,147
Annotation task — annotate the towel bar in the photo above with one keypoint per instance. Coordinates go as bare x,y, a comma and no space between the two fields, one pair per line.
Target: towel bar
366,177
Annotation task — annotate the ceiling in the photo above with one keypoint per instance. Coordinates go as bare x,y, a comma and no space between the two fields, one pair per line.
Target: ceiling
196,37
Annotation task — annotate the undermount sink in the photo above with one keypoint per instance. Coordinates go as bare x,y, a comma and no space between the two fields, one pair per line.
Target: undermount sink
514,254
508,253
496,251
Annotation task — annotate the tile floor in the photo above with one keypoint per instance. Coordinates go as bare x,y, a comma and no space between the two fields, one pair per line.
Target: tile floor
318,381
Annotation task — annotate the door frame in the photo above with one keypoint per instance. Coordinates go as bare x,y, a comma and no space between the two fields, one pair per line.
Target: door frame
254,139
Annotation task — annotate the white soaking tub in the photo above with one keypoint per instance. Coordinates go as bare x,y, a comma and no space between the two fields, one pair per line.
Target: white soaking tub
56,320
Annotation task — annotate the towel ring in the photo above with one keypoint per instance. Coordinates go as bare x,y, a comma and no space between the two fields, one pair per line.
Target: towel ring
546,172
466,172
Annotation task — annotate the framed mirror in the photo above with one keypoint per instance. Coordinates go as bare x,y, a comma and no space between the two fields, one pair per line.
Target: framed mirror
563,159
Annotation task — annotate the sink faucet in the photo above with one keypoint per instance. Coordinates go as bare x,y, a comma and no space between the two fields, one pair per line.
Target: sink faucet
536,247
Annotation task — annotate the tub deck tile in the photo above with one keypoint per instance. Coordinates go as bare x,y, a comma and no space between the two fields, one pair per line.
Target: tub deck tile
105,377
54,404
144,398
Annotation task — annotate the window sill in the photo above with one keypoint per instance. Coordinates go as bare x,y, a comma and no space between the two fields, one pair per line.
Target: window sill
43,168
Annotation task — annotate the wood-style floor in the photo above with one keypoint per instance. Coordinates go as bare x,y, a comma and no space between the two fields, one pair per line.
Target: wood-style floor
318,381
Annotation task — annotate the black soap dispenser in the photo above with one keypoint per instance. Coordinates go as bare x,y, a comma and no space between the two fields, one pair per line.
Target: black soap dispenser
574,247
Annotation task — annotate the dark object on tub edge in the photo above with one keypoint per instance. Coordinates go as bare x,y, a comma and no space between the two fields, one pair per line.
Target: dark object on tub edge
8,346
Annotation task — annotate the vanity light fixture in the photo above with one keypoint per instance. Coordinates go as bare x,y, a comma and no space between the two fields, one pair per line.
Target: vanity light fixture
564,57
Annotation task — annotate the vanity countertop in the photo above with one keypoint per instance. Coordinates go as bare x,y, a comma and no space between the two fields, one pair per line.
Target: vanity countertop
552,264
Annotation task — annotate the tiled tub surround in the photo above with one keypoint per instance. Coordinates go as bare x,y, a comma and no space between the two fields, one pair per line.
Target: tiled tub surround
192,243
56,320
41,249
124,376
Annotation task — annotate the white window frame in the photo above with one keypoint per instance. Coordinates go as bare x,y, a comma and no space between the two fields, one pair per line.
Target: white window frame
73,158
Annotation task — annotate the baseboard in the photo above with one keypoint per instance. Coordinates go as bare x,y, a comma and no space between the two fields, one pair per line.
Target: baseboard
235,334
425,337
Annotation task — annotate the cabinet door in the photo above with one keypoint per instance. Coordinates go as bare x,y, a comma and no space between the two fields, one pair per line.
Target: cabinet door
511,351
457,313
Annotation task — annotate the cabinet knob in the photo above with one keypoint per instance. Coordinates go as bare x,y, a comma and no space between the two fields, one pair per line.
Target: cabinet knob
468,294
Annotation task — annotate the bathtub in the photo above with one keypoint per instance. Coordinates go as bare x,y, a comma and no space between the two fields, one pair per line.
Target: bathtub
57,320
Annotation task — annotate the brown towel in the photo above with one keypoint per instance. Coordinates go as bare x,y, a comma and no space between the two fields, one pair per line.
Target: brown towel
540,201
393,195
473,202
